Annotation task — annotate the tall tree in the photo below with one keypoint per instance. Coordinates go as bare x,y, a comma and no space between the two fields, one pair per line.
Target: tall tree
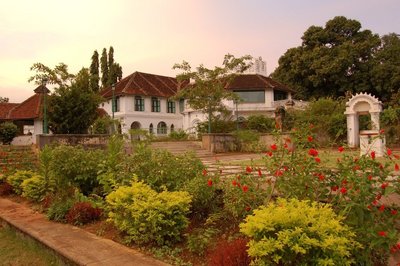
104,68
94,72
57,76
208,90
72,106
115,70
331,60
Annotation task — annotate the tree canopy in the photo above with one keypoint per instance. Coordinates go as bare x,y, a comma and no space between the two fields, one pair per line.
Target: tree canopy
72,106
111,72
340,58
208,88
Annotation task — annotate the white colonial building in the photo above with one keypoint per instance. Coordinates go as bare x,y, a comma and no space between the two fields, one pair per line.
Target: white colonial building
144,101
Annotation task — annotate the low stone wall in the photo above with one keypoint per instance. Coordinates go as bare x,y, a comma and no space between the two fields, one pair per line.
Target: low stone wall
23,140
86,140
225,142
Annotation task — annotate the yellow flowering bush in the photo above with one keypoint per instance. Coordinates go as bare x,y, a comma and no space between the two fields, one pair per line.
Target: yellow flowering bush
293,232
146,215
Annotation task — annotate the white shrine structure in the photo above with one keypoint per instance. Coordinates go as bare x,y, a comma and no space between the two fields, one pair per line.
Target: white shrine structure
367,140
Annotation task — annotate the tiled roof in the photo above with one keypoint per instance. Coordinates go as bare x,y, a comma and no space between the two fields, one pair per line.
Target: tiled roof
28,109
5,109
144,84
252,81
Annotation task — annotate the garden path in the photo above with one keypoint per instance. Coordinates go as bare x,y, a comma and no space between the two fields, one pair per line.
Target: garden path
74,245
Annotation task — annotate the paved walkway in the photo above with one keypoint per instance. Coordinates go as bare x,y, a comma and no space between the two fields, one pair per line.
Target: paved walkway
75,245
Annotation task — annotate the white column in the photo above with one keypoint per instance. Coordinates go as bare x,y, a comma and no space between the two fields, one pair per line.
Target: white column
375,120
353,130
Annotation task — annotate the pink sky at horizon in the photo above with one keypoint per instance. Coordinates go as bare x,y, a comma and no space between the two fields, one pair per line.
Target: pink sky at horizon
151,36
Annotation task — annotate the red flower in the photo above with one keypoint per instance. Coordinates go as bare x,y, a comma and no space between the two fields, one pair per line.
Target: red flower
393,212
341,149
209,182
373,155
234,183
245,188
288,140
382,233
259,172
378,197
248,208
343,190
318,160
370,177
334,188
375,202
396,167
321,177
313,152
310,138
389,151
382,208
382,131
269,153
285,146
248,169
384,185
278,173
274,147
204,172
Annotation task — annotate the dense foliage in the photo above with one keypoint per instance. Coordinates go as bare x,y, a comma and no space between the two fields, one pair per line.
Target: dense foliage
299,233
148,216
340,58
8,131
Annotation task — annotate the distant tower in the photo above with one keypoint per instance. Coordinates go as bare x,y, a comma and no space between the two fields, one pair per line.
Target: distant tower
259,67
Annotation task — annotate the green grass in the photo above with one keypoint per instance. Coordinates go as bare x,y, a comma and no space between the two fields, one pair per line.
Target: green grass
328,158
17,250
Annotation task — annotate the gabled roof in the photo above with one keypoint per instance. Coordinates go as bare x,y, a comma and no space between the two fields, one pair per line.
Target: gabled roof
28,109
5,109
253,81
144,84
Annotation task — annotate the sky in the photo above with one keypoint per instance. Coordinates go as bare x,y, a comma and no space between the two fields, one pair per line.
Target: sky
152,35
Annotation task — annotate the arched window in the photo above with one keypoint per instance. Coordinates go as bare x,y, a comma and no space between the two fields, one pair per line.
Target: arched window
162,128
135,125
151,129
172,128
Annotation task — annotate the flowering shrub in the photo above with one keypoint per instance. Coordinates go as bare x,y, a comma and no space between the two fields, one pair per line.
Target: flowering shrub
245,192
34,188
82,213
298,233
233,253
146,215
354,188
17,178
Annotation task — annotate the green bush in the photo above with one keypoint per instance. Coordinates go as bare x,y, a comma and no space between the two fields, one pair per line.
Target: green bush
178,135
59,208
75,166
298,233
34,188
147,216
102,125
17,178
260,123
8,131
160,168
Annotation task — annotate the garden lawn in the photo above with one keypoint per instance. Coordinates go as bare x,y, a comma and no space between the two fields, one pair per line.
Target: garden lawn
328,158
18,250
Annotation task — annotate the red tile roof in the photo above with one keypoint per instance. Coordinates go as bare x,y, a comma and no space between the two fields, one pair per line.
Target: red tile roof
5,109
144,84
28,109
252,81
